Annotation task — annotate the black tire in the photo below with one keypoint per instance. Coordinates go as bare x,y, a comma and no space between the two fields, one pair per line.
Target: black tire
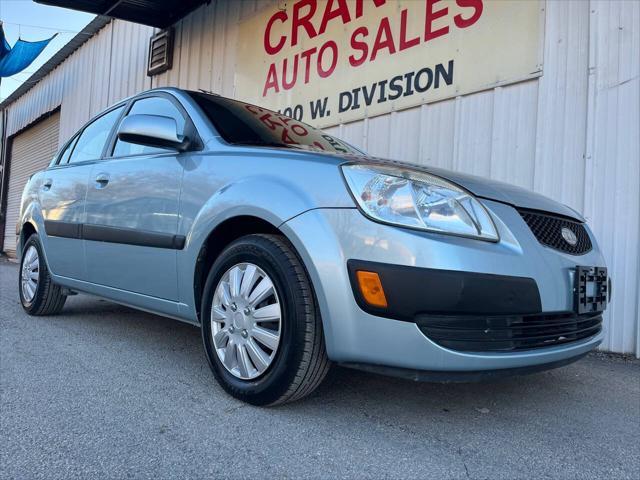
48,298
300,363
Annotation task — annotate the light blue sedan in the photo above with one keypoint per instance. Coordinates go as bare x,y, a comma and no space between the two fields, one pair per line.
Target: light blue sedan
292,249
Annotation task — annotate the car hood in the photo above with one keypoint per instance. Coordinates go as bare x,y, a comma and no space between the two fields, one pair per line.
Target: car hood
488,189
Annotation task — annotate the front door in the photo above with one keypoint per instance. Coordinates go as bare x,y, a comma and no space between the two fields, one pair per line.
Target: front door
132,210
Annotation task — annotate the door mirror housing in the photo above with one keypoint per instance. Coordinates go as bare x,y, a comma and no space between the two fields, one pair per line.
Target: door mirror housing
152,131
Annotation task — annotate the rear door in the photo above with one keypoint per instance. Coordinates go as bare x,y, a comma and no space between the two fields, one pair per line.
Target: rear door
132,211
63,194
30,152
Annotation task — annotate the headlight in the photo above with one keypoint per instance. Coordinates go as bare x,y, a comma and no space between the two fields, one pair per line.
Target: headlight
418,200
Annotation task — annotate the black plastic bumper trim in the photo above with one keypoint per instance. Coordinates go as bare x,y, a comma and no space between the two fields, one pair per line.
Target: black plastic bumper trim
411,291
457,376
104,233
507,333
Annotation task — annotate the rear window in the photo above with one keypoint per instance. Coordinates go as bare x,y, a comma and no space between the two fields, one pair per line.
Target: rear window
241,123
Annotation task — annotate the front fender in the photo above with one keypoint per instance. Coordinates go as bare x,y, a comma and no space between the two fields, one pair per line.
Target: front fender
269,198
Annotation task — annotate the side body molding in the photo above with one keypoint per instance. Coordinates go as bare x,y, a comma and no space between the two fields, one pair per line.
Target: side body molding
109,234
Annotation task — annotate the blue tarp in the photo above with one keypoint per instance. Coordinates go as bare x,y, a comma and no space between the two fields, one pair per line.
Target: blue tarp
4,45
16,59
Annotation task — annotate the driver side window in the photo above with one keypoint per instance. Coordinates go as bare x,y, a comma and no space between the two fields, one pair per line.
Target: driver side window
150,106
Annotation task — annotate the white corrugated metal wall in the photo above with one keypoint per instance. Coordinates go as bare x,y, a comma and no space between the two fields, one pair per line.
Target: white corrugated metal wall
573,134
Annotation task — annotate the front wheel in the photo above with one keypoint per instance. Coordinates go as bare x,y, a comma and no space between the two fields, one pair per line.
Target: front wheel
261,325
38,294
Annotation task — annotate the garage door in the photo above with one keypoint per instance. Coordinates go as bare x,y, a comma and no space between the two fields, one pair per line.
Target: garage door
31,150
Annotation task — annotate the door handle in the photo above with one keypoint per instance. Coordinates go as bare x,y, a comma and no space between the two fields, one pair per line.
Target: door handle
46,185
102,179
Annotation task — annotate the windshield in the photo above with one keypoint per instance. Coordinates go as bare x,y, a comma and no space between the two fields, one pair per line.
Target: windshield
241,123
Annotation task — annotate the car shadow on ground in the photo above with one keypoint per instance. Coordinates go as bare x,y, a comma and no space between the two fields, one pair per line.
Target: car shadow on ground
149,332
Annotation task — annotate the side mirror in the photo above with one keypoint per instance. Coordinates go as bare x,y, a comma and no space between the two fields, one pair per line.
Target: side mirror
152,131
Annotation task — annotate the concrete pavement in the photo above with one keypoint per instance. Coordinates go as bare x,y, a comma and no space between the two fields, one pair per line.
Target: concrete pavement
104,391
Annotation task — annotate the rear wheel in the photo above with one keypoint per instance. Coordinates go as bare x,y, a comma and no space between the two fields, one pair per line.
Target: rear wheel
261,325
38,294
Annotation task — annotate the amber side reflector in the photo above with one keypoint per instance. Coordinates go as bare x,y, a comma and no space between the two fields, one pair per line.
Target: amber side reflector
371,288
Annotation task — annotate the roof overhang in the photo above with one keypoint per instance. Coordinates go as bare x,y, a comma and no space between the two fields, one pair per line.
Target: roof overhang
155,13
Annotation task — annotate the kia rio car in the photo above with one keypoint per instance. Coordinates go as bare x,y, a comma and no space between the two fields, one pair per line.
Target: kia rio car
292,249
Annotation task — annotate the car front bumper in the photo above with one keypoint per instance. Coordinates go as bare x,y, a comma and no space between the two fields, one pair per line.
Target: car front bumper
328,239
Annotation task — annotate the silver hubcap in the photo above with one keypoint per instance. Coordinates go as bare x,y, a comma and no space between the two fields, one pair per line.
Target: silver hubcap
30,273
246,321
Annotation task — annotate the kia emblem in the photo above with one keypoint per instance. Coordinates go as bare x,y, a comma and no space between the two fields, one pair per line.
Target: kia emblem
569,236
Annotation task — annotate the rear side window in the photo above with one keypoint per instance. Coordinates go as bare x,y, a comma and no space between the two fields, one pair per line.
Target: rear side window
91,142
150,106
64,156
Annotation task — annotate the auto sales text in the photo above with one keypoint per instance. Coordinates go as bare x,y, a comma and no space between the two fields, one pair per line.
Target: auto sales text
308,19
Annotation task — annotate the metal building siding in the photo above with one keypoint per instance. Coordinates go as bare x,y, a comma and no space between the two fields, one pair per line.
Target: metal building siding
31,150
562,106
202,57
572,134
108,67
128,65
612,186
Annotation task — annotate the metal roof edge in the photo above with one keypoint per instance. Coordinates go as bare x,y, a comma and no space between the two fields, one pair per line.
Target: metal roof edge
60,56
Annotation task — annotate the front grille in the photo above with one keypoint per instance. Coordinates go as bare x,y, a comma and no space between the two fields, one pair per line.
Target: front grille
547,229
508,333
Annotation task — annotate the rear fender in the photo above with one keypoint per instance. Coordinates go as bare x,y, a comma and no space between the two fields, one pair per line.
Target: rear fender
31,214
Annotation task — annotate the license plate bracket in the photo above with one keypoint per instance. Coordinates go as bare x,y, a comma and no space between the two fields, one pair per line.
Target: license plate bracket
591,289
